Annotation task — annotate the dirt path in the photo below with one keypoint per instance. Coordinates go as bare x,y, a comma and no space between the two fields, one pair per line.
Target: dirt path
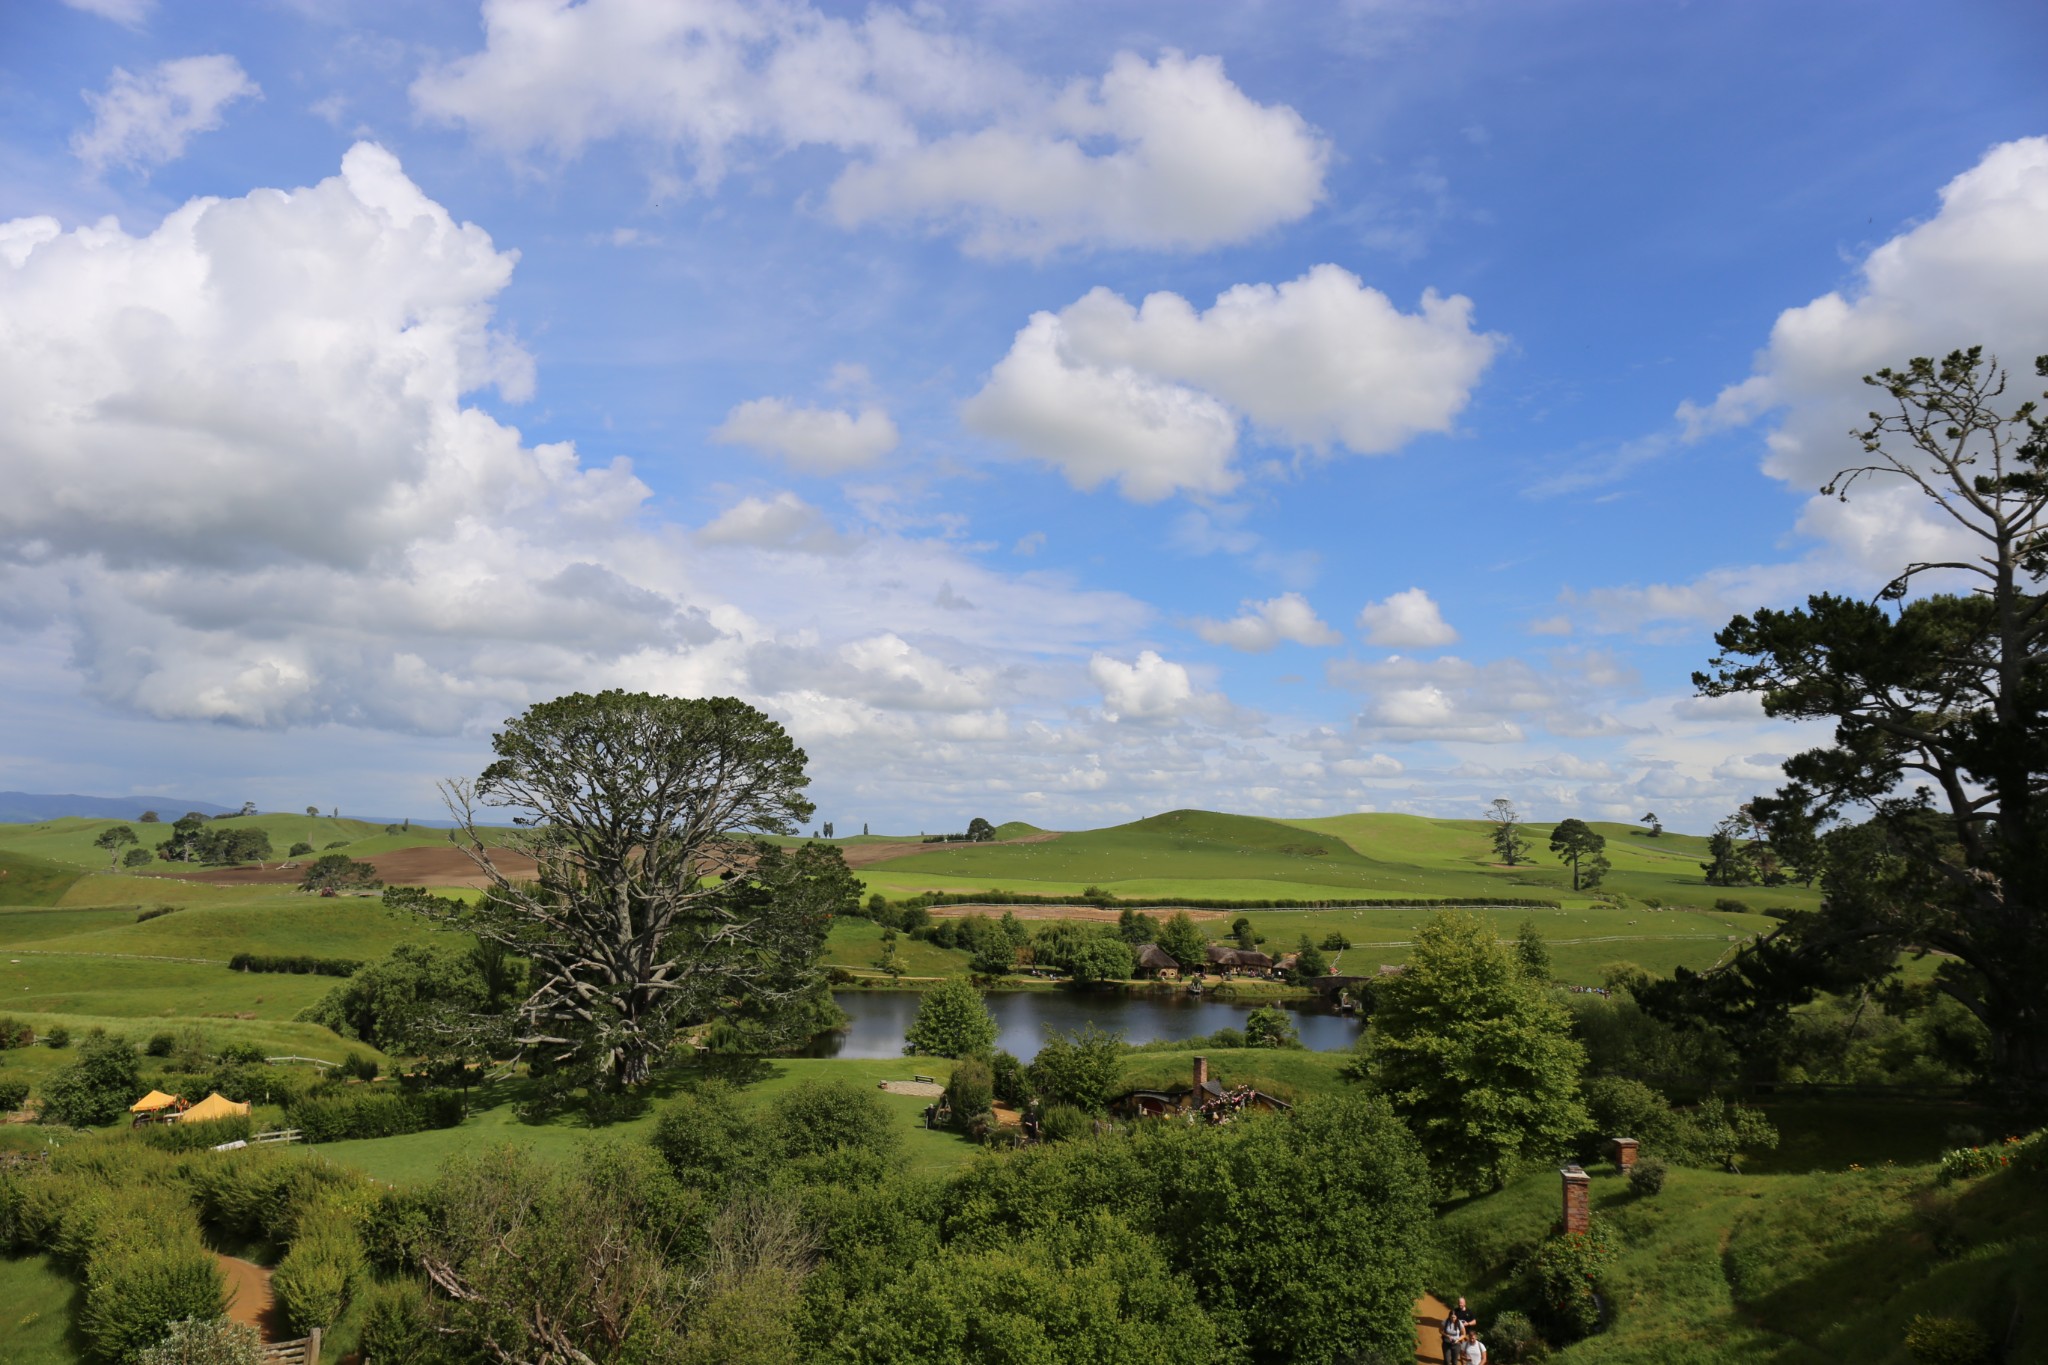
250,1299
1429,1321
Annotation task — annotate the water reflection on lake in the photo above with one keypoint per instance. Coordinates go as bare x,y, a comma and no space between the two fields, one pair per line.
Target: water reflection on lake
881,1018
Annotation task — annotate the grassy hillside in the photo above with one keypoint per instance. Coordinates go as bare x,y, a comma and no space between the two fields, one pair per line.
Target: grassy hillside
1785,1269
70,840
1203,853
28,880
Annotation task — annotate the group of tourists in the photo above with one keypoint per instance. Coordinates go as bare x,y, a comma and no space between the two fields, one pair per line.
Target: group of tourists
1461,1342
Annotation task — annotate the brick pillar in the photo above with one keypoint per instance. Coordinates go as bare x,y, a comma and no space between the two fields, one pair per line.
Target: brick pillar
1201,1071
1578,1200
1625,1154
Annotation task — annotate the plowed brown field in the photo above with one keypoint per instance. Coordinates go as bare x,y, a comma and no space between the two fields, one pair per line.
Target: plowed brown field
427,866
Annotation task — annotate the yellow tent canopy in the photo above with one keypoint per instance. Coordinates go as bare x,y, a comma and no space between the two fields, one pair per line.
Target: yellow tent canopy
154,1101
214,1106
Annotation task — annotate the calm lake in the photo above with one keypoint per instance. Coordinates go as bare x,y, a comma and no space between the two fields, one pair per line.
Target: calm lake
881,1018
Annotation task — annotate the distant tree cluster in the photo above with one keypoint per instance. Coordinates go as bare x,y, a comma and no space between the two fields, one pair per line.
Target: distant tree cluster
195,840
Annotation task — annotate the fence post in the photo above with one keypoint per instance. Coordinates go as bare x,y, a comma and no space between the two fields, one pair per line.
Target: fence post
313,1347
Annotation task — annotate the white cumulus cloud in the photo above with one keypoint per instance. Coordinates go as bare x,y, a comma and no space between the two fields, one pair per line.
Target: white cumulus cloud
1190,162
784,521
146,120
1166,153
1262,626
817,440
1407,620
1154,395
1974,273
1147,688
129,12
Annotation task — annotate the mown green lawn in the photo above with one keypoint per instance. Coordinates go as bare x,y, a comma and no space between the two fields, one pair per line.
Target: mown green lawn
36,1303
416,1157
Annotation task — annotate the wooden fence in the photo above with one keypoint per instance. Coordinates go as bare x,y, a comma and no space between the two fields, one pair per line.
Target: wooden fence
304,1351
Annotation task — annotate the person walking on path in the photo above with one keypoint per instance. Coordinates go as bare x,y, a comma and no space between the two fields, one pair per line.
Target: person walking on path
1475,1349
1454,1334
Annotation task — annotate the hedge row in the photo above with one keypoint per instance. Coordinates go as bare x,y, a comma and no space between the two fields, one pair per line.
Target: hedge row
366,1113
116,1215
297,966
1201,903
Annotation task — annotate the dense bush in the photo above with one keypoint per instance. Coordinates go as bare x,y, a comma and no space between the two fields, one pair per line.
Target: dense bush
1646,1177
339,872
1512,1340
137,857
398,1326
136,1287
813,1118
952,1021
1083,1068
1064,1123
360,1112
970,1092
13,1094
299,850
1270,1027
206,1341
1933,1340
160,1044
58,1037
197,1137
156,912
98,1087
1966,1163
14,1033
1012,1083
1567,1271
317,1276
296,965
356,1066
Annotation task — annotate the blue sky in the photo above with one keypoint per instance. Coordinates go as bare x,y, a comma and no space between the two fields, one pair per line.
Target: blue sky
1057,412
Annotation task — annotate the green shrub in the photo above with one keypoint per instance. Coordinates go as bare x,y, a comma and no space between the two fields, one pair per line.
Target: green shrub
197,1137
1646,1178
13,1095
299,850
1334,942
360,1112
137,857
1967,1163
971,1092
314,1280
141,1280
14,1033
1935,1340
160,1044
817,1117
1012,1084
58,1036
156,912
1512,1340
1063,1123
398,1225
398,1325
1566,1270
95,1089
241,1054
206,1341
1728,905
338,843
356,1066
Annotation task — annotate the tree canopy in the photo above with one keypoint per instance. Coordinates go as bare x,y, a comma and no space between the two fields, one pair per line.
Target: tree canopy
952,1021
1585,848
646,911
1936,701
1476,1053
1509,845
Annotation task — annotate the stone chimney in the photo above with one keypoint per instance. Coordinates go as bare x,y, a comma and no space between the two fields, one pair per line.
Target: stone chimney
1625,1154
1201,1072
1578,1200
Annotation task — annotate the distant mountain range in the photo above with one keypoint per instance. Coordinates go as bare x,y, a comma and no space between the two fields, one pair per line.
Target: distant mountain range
28,808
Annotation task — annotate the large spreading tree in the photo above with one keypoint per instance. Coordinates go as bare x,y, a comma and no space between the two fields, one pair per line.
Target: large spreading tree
1935,690
1585,848
1476,1052
649,909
